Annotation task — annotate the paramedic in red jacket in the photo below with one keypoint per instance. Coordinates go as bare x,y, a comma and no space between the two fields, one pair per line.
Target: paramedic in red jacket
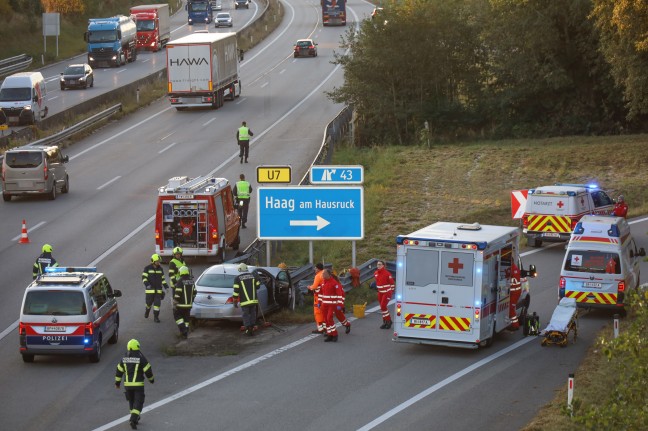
385,287
330,299
339,312
620,208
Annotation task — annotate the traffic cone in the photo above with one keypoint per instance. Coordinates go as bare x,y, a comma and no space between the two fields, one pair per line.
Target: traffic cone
24,239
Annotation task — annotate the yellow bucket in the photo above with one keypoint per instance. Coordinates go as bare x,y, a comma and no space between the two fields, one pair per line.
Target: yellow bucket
359,310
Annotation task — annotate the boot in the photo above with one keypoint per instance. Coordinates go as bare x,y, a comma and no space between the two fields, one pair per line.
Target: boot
347,329
156,316
384,325
249,331
334,338
241,159
133,421
146,313
328,338
388,324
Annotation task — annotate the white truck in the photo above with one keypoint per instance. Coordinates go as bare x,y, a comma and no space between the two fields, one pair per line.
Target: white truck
453,282
203,70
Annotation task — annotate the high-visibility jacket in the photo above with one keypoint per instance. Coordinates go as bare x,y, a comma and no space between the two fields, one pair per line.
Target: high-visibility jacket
174,265
384,280
317,284
245,288
242,189
132,368
331,293
153,279
244,133
185,292
42,262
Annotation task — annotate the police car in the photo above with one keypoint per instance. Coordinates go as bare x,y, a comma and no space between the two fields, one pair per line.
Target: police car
68,311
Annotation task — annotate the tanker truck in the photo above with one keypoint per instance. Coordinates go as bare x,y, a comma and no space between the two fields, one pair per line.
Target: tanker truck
153,25
111,41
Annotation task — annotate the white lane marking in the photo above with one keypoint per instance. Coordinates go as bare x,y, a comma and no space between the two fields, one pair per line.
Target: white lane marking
242,99
109,182
52,98
144,61
52,79
122,241
163,138
443,383
264,84
166,148
213,119
282,71
33,228
123,70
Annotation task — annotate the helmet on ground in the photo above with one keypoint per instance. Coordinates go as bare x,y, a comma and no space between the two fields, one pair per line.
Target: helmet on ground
183,270
133,345
620,198
156,258
177,250
242,267
47,248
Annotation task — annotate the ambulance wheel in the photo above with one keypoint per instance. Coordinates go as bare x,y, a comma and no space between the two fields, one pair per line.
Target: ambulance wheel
96,356
115,335
28,358
489,341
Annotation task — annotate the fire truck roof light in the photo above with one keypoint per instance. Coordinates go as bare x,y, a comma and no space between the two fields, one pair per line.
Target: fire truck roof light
59,269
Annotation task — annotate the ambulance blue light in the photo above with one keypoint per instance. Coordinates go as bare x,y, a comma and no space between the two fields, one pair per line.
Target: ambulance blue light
398,297
478,270
477,303
614,231
56,269
592,186
579,229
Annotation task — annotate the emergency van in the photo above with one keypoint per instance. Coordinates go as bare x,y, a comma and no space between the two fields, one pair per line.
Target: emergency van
601,263
68,311
453,282
551,212
198,215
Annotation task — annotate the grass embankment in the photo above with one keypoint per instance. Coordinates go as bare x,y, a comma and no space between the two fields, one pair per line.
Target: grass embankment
407,188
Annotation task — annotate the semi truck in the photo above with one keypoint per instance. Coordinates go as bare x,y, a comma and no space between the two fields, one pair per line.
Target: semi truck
200,11
111,41
153,25
203,70
333,12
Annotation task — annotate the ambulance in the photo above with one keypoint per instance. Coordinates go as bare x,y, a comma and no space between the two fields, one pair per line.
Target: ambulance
198,215
551,212
601,263
453,282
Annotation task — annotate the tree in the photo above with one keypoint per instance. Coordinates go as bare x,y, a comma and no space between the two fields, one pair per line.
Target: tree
64,7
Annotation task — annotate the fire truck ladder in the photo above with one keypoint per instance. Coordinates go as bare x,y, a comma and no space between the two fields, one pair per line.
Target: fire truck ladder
201,225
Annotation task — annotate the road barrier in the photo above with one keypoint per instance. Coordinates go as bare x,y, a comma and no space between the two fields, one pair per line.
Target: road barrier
14,64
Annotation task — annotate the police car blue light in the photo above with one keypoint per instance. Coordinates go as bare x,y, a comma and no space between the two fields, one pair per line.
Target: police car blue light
55,269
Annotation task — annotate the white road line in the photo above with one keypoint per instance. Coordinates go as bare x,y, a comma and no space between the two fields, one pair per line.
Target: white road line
123,70
282,71
443,383
243,99
52,98
33,228
213,119
166,148
163,138
264,84
109,182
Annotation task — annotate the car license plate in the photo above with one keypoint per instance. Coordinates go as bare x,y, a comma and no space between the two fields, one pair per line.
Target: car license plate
592,284
418,321
25,184
55,329
551,234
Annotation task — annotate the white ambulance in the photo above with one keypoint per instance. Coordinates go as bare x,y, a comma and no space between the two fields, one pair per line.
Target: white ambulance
601,263
453,282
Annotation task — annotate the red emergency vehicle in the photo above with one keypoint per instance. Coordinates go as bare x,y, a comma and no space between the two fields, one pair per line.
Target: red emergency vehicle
197,214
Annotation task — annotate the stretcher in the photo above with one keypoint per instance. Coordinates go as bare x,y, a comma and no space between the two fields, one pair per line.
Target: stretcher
563,321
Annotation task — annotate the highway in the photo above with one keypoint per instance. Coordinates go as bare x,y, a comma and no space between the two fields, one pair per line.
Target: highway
282,380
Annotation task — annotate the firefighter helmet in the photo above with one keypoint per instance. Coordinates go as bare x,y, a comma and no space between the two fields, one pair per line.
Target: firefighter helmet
242,267
177,250
47,248
183,270
133,345
156,258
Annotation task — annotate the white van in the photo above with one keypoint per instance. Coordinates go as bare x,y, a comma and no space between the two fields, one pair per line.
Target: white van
22,98
601,263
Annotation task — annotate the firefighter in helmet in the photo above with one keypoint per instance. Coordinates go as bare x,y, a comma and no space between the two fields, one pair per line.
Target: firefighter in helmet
154,283
132,368
175,264
43,261
245,295
183,297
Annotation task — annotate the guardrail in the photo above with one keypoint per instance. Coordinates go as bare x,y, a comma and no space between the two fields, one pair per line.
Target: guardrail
14,64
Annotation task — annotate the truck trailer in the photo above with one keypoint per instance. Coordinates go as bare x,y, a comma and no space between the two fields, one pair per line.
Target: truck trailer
203,70
111,41
455,284
153,25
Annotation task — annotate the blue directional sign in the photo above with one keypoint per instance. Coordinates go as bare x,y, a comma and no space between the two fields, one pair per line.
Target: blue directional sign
336,174
310,213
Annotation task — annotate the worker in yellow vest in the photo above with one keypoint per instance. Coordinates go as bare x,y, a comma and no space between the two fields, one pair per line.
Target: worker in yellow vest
243,135
242,191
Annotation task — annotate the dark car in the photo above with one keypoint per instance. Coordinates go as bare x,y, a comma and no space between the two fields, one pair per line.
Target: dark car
306,48
77,76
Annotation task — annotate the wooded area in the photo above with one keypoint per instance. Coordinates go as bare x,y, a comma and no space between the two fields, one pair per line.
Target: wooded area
496,69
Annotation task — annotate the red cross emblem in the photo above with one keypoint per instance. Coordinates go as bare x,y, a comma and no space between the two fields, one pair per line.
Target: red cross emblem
560,204
455,265
576,259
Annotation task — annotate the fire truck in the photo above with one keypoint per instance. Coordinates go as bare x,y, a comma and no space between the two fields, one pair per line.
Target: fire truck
198,215
453,282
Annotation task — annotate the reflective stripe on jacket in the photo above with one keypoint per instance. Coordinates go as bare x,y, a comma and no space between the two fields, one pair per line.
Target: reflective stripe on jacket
243,190
133,368
245,287
153,279
243,133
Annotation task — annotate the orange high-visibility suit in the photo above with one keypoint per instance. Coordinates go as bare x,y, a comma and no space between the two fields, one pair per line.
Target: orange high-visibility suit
317,312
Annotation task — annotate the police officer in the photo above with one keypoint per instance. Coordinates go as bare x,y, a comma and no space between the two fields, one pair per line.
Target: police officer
183,296
245,289
43,261
154,282
242,191
243,135
175,264
133,367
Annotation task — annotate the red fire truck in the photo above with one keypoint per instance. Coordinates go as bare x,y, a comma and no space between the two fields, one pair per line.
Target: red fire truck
197,214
